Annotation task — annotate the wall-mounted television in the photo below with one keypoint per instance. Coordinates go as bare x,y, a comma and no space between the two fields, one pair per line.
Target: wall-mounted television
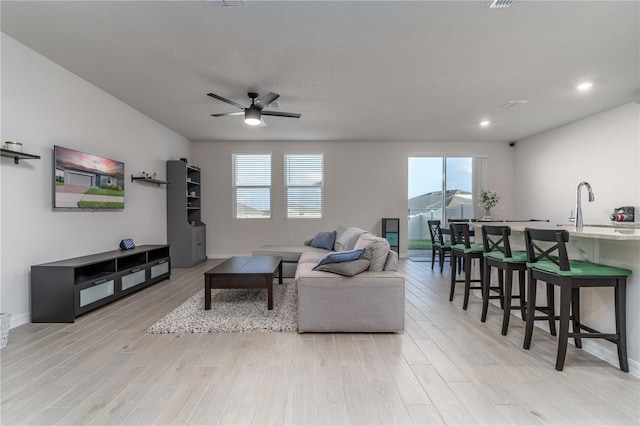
86,181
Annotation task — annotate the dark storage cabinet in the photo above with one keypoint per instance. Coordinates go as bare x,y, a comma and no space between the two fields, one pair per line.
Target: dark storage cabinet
391,231
63,290
186,233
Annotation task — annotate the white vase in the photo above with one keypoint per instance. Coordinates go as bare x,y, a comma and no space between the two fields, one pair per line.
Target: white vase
487,214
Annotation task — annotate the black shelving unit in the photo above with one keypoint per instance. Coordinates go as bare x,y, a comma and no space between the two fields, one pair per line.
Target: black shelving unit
17,156
391,231
148,180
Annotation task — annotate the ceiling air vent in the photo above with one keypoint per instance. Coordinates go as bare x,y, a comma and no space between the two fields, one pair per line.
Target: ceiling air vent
500,4
225,3
513,102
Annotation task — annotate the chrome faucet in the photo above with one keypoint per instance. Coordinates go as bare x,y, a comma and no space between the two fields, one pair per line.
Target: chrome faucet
578,223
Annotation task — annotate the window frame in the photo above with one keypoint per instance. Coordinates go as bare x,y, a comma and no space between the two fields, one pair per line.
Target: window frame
319,186
235,187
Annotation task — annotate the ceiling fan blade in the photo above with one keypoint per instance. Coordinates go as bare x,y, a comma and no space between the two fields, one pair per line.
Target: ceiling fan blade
227,114
220,98
264,101
282,114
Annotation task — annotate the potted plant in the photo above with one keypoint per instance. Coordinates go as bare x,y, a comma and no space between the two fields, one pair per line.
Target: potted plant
488,199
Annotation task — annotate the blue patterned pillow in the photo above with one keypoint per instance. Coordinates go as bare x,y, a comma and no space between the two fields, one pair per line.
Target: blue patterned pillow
340,256
348,269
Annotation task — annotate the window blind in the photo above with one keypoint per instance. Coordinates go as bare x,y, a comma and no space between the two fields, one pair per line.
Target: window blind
304,182
252,186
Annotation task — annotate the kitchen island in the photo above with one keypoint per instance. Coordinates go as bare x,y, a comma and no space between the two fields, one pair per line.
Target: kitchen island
616,244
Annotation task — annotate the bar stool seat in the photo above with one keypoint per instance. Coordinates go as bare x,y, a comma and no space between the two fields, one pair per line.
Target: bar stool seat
439,244
553,266
498,254
463,249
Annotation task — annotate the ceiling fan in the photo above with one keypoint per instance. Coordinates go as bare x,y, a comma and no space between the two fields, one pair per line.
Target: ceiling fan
253,114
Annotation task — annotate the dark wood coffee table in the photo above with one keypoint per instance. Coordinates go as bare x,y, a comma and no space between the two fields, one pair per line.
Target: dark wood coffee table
243,272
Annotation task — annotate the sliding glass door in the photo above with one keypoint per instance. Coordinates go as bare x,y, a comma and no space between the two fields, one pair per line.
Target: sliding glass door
439,188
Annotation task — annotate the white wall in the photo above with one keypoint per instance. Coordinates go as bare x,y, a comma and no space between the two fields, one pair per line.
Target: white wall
364,182
45,105
603,150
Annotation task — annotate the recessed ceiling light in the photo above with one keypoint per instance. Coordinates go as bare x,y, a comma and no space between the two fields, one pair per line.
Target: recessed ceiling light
485,123
584,86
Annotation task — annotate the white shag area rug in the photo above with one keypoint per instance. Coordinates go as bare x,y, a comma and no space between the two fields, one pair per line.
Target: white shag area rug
234,310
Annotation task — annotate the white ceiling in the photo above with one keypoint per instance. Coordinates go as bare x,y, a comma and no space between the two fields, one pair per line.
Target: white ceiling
361,70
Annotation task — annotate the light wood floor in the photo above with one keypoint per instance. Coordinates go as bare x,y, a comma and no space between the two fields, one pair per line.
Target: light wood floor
446,368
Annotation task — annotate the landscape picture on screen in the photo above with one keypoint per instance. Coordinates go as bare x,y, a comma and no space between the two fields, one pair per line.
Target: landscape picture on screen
87,181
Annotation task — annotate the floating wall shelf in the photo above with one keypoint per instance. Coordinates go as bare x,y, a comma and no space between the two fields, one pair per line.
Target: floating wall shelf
148,180
17,156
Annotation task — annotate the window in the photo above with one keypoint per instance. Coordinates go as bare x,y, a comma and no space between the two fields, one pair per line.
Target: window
252,186
304,185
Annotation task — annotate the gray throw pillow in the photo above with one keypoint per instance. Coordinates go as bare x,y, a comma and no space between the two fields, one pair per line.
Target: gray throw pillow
379,250
347,239
350,268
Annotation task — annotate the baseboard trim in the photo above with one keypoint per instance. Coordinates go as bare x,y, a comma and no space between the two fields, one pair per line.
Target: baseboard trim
17,320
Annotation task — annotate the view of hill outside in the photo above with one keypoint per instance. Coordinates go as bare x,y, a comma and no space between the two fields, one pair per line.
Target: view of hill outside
439,189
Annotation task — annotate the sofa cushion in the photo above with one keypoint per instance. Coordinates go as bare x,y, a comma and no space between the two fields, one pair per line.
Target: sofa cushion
324,240
311,257
379,250
392,261
347,268
288,253
346,238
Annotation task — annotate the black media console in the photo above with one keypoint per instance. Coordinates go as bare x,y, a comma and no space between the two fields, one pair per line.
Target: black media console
63,290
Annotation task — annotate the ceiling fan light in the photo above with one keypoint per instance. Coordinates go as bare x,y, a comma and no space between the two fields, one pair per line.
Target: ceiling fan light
252,121
252,117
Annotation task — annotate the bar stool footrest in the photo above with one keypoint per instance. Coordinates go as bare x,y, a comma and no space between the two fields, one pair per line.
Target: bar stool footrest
594,334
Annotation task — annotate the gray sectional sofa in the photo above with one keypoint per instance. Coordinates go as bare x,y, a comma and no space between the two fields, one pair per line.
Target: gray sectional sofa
369,301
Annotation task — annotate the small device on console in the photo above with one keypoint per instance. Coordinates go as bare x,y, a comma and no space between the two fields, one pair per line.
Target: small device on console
127,244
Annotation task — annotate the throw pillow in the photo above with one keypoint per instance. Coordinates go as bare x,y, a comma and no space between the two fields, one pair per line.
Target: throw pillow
347,239
324,240
379,250
348,269
339,231
392,261
308,242
340,256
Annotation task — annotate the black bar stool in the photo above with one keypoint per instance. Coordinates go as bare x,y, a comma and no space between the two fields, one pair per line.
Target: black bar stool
438,243
461,248
498,254
553,266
